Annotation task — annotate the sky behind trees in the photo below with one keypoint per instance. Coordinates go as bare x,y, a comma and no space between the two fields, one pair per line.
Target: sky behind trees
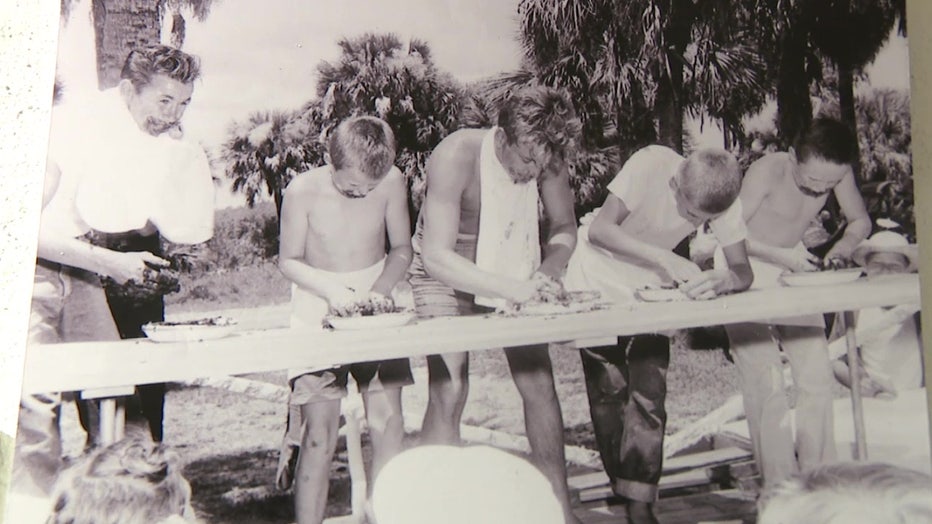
264,55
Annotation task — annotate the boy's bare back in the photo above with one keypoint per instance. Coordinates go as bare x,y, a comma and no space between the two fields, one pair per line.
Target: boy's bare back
344,234
783,212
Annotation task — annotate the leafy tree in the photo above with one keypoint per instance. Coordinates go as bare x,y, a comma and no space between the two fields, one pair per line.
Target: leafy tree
264,153
379,75
850,33
119,27
122,25
638,67
175,10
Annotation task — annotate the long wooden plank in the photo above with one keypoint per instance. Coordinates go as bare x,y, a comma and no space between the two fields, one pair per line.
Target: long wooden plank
705,459
76,366
683,479
715,506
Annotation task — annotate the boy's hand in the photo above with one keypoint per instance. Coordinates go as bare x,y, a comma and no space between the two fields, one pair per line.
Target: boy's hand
522,290
380,303
123,267
679,268
547,283
341,296
797,259
839,256
709,284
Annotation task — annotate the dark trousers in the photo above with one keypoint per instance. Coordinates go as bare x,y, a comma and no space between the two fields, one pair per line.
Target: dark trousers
147,406
627,387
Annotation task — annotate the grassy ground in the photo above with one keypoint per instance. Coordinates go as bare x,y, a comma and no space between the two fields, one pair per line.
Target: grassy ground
248,286
228,441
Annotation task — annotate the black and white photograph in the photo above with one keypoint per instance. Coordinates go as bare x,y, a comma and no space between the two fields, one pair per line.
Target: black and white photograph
475,261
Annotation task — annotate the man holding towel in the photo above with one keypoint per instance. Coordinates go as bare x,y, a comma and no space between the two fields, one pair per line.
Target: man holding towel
477,247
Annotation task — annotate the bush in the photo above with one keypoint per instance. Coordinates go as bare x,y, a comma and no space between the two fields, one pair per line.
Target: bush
242,237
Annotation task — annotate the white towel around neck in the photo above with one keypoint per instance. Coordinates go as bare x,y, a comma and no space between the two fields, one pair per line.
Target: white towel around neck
509,242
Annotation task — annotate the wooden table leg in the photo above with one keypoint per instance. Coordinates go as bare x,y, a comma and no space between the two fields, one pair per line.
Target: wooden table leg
107,421
119,419
854,374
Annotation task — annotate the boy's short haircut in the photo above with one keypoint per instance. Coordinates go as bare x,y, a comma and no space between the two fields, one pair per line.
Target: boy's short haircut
710,179
828,139
866,493
546,116
364,142
144,63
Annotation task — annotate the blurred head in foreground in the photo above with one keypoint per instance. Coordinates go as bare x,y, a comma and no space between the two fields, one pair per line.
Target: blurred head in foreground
851,493
432,484
132,481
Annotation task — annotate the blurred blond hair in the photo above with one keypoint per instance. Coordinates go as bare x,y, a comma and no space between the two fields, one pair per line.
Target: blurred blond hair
132,481
850,493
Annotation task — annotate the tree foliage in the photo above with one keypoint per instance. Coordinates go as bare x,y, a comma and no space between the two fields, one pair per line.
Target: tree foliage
377,75
263,154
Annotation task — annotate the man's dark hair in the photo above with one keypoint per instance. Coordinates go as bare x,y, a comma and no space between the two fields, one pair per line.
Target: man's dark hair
144,63
546,116
828,139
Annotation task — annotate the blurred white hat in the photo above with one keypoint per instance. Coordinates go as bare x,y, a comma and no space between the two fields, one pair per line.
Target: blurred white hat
887,242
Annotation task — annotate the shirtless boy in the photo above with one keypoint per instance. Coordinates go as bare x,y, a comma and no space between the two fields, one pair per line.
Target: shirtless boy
335,220
781,194
526,154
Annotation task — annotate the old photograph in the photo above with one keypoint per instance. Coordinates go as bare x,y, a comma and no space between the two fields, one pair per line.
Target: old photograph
504,261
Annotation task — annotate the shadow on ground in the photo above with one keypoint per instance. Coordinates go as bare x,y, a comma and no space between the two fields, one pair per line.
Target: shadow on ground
258,503
251,474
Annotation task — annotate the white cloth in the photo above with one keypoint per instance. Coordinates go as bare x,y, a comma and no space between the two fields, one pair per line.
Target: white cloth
767,275
509,242
643,184
892,353
117,178
308,309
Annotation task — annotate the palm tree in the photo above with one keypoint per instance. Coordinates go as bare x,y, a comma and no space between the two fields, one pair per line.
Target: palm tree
176,10
119,27
122,25
850,33
885,139
642,64
263,154
379,75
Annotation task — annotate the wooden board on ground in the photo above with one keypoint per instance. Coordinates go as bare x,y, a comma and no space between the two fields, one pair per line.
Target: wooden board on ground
693,461
683,479
716,506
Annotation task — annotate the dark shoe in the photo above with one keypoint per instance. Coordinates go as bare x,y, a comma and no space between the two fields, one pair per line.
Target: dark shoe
641,513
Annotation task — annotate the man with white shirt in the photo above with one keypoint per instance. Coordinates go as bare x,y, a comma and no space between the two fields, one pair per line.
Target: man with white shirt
116,165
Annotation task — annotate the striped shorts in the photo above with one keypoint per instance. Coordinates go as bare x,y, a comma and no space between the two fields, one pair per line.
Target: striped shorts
433,298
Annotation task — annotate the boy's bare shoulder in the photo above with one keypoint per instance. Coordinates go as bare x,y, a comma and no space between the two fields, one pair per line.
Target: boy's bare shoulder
767,170
394,175
308,181
393,182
